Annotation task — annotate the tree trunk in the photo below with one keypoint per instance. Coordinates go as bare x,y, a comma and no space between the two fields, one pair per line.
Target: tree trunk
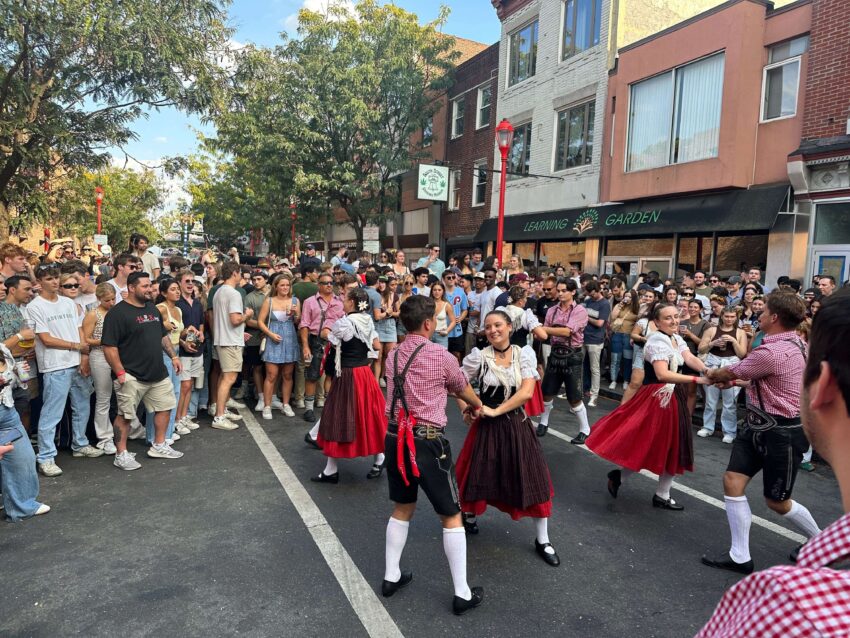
5,216
357,224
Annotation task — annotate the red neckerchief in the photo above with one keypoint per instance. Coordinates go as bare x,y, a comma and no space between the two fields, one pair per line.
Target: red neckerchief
406,423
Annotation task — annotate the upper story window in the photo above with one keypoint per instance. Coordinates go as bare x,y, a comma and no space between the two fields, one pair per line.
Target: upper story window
580,31
479,183
781,81
428,132
522,61
458,107
454,189
575,136
484,98
519,157
674,117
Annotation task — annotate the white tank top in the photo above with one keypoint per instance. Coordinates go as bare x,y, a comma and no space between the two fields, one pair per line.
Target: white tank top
442,320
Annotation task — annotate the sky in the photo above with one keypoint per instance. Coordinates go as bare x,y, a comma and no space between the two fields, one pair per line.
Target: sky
170,132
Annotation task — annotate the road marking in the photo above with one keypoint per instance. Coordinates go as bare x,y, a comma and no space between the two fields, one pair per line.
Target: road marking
365,603
705,498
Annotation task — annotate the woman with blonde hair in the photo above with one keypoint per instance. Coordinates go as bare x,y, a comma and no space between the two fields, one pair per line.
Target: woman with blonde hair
101,373
278,319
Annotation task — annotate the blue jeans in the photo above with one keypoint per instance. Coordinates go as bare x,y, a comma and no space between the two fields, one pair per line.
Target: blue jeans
621,353
175,382
18,478
58,386
441,340
729,396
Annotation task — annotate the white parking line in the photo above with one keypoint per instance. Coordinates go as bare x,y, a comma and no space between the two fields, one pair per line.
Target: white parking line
365,603
705,498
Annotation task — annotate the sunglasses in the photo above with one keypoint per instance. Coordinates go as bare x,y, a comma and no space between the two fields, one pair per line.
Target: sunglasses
408,283
325,283
548,289
70,286
714,281
449,277
132,266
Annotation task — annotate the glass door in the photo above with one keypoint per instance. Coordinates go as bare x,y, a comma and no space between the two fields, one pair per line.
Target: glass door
622,267
661,265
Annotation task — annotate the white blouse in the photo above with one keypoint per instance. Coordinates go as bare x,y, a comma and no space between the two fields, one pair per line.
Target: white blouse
658,347
527,366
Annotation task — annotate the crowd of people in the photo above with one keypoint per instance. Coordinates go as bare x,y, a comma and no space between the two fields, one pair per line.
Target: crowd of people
94,356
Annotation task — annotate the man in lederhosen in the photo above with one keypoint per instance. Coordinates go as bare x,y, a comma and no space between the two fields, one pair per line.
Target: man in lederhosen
420,375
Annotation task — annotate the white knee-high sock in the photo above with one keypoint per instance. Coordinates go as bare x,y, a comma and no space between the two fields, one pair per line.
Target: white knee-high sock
665,482
802,519
314,431
331,467
379,458
541,526
396,540
581,415
740,518
454,544
547,410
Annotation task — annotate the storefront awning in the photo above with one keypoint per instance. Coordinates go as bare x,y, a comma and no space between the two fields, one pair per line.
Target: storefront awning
740,210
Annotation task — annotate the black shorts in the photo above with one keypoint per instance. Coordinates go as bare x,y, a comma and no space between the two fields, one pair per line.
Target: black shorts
251,356
436,474
313,370
777,453
21,397
564,371
457,344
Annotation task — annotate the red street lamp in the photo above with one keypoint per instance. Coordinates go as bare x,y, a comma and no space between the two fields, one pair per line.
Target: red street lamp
504,139
98,196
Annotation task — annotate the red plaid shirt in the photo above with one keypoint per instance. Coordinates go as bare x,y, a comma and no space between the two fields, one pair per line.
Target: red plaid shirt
810,599
430,379
778,365
574,318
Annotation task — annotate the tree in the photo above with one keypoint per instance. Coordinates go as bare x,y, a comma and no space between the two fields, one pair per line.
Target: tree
75,74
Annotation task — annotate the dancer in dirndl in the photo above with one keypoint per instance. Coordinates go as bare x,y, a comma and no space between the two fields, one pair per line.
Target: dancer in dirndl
501,463
653,430
353,422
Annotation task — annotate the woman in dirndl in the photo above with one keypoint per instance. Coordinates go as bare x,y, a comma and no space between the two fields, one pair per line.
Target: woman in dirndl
353,422
653,430
501,463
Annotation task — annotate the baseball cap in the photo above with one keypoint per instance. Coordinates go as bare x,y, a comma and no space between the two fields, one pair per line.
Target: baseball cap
479,275
735,279
521,276
310,247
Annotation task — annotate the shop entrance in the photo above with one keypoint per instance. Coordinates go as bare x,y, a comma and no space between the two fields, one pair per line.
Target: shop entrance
630,267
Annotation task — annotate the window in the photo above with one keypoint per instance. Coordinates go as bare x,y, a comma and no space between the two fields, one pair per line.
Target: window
519,157
581,26
575,137
782,79
428,132
483,107
458,107
454,185
523,54
479,183
675,117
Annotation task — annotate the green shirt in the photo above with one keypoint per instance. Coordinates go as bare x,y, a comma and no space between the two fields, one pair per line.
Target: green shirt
303,290
255,301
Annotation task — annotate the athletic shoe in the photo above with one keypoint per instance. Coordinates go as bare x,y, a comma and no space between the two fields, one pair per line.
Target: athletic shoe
728,439
320,403
807,466
223,423
126,461
211,409
232,416
276,403
42,509
240,391
612,385
309,415
189,423
625,385
382,383
562,396
234,404
267,414
49,468
298,404
89,451
260,403
705,433
174,437
181,429
287,410
107,446
163,451
592,402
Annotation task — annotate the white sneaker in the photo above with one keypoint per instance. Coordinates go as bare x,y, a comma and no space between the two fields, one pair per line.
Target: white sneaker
126,461
189,423
625,385
267,413
108,446
261,402
89,451
704,433
592,402
288,410
232,416
211,409
174,437
382,382
49,468
42,509
234,404
612,385
728,439
320,403
163,451
241,391
276,404
181,429
298,404
223,423
562,396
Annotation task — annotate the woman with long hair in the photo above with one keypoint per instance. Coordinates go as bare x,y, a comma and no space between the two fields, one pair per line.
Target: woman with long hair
446,319
671,294
172,320
465,264
691,330
278,319
385,327
501,463
399,266
643,327
654,431
69,286
623,317
353,422
101,373
408,281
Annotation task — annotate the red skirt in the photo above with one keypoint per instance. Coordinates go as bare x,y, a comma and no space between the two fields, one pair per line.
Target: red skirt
502,465
641,434
353,421
534,406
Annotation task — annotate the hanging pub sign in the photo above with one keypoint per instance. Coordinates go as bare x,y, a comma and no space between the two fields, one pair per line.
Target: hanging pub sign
433,183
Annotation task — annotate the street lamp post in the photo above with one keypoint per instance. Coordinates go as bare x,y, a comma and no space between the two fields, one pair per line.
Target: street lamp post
504,138
98,196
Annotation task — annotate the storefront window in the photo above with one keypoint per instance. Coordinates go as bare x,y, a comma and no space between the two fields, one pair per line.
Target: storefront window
646,247
526,251
740,252
832,224
694,254
561,254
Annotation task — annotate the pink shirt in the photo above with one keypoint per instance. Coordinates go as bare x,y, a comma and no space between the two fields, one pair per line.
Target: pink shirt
311,314
574,318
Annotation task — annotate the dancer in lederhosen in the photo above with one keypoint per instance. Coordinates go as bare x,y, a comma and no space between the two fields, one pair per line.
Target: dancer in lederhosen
501,463
653,430
353,422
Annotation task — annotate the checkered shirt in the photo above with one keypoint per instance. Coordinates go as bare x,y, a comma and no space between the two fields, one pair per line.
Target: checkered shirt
809,600
432,376
778,366
574,318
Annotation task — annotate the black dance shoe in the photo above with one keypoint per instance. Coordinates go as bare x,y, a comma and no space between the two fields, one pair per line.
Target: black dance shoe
326,478
666,504
309,415
795,553
376,471
470,524
541,429
311,441
580,439
551,559
461,606
724,561
388,588
615,480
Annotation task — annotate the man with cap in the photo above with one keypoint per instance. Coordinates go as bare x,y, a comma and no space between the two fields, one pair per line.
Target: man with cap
479,286
309,257
432,261
455,295
733,291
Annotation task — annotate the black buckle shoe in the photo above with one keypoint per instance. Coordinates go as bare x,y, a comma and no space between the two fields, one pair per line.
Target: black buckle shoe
470,524
580,439
309,415
668,504
615,480
376,471
311,441
388,588
541,429
326,478
461,606
551,559
725,561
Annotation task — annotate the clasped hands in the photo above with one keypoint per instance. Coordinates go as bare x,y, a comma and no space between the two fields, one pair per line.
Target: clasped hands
718,380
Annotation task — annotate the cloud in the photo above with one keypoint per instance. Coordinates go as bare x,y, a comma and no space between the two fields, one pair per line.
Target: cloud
160,139
290,23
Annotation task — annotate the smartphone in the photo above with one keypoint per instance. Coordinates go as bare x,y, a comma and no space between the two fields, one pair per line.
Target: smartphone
8,436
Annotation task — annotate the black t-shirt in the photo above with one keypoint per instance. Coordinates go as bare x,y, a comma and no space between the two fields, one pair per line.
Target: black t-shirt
192,316
542,307
137,333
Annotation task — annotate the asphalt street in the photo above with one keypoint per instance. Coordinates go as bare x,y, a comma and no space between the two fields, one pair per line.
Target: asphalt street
215,544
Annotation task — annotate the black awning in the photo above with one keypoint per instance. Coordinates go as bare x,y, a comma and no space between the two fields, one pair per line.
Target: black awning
740,210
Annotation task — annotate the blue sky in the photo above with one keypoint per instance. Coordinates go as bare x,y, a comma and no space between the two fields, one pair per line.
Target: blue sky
171,132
